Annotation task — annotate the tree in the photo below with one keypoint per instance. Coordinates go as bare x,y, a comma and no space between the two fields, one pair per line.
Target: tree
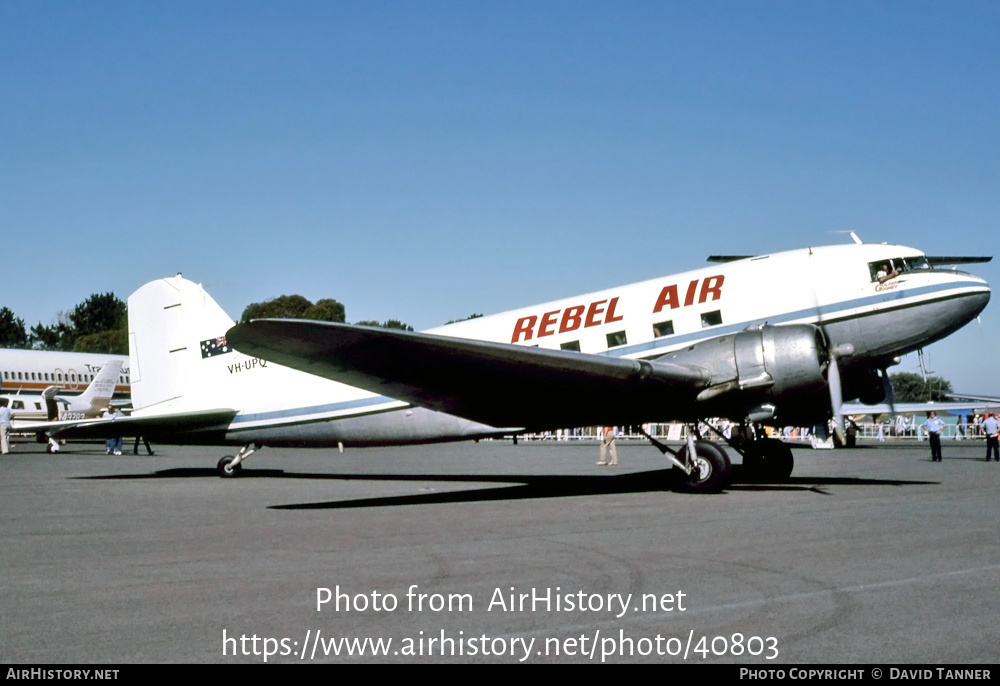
326,310
113,342
908,387
294,307
100,312
58,336
12,332
101,316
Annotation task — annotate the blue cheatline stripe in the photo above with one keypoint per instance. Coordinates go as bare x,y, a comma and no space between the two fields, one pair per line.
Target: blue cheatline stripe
654,345
292,413
843,307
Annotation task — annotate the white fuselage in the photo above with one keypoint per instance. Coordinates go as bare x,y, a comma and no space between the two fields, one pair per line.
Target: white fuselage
179,365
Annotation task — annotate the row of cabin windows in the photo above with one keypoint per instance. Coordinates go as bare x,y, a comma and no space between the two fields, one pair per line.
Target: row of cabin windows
713,318
45,376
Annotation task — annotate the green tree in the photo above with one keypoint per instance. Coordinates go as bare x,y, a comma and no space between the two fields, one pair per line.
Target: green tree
326,310
100,312
908,387
58,336
12,332
102,316
286,307
113,341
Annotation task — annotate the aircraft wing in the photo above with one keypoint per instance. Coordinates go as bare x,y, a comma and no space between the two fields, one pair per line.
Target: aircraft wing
151,426
494,383
915,408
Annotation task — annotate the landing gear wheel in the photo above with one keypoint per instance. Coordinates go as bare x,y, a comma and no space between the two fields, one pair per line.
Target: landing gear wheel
768,460
711,468
226,469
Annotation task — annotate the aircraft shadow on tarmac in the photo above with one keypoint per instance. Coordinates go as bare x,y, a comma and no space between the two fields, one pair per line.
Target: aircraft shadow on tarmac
514,486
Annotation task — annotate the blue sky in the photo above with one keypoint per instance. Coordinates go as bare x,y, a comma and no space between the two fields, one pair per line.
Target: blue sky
427,160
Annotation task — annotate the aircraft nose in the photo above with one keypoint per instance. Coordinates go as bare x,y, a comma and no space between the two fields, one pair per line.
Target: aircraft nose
974,303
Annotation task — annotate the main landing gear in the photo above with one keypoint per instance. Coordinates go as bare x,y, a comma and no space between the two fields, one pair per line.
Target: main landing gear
704,467
230,466
767,459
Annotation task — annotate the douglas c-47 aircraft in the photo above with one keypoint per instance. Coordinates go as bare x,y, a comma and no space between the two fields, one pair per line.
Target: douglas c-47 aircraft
776,339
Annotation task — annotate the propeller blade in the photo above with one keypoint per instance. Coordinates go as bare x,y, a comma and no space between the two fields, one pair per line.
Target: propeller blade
887,389
836,398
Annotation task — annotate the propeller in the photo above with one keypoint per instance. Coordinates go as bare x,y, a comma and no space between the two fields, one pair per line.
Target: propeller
833,381
836,395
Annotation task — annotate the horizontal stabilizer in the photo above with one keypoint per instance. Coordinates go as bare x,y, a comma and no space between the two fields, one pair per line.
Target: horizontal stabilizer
495,383
151,426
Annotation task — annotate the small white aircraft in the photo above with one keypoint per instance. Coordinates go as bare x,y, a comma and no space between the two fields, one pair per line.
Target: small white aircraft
52,404
778,339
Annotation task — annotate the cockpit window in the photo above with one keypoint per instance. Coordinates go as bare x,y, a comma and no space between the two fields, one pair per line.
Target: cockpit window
912,264
883,270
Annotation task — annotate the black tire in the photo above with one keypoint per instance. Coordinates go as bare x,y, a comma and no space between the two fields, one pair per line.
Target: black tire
768,460
226,471
712,469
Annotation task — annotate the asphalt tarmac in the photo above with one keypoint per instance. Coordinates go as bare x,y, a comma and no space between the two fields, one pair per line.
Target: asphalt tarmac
491,552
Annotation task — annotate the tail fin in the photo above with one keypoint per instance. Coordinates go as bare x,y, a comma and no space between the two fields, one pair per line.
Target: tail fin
88,404
100,391
174,325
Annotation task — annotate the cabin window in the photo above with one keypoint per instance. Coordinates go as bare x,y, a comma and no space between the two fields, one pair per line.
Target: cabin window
663,329
571,345
713,318
18,405
617,338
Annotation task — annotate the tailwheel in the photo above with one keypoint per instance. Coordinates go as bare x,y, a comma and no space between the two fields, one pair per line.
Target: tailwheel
768,460
711,468
232,465
226,468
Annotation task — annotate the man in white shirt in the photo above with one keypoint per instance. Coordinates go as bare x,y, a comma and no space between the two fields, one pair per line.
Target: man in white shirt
4,426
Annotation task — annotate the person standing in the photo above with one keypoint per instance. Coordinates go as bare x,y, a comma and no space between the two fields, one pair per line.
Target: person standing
991,426
608,444
5,416
934,426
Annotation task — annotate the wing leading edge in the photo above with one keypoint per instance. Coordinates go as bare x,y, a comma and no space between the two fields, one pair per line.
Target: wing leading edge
495,383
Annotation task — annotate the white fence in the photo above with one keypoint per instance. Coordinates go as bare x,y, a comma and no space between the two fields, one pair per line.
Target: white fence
875,431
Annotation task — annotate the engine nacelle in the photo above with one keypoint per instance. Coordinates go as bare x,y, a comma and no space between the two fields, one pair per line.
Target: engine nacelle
768,373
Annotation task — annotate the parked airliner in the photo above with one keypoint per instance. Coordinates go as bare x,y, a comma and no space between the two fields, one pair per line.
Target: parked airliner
775,339
32,371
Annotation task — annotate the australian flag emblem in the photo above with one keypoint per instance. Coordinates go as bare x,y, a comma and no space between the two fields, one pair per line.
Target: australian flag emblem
215,346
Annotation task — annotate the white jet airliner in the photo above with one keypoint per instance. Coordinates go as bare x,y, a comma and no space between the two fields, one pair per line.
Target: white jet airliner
777,339
29,372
